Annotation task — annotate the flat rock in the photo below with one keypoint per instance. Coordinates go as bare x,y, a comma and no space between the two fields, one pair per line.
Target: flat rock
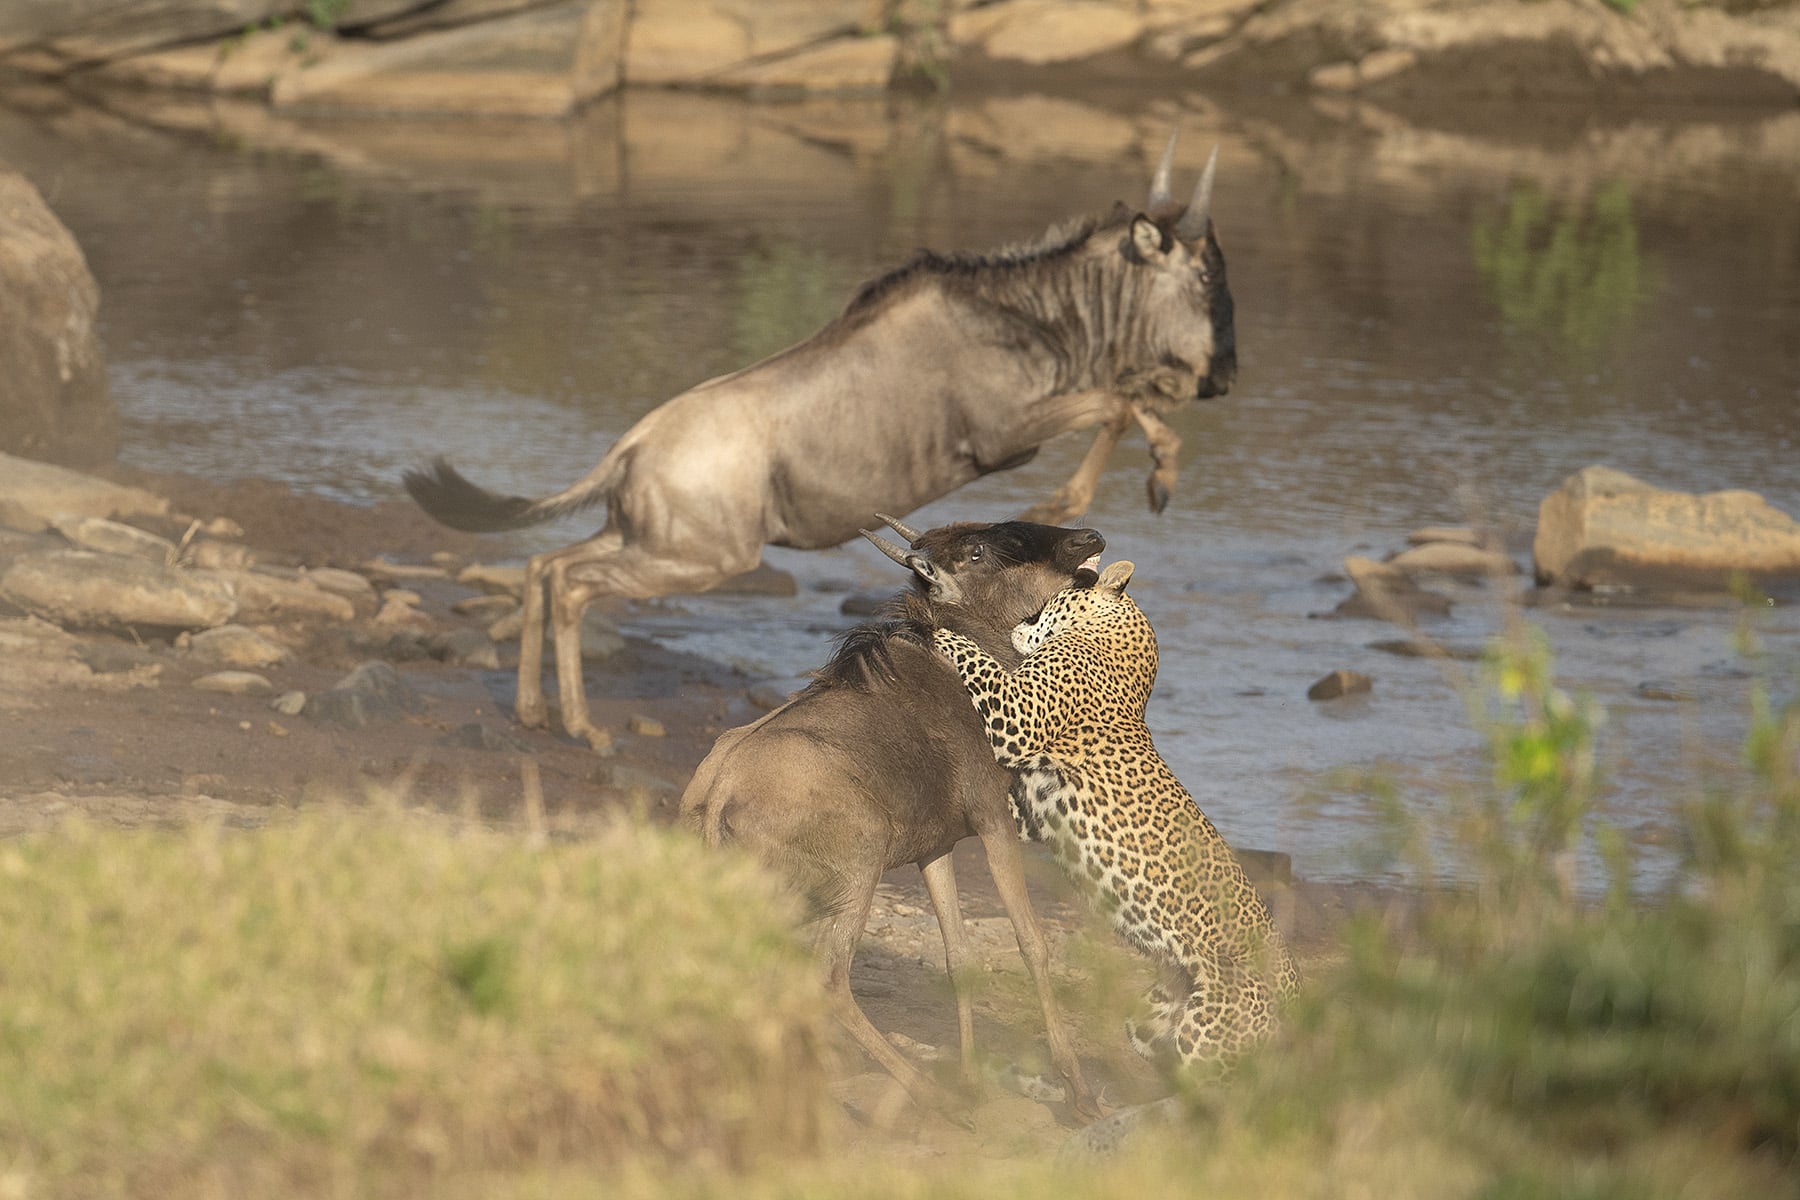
1385,594
1039,32
485,608
392,572
348,584
113,537
263,597
1453,558
82,589
466,648
645,726
33,495
691,41
1606,529
1340,683
234,683
372,694
494,581
236,646
1462,535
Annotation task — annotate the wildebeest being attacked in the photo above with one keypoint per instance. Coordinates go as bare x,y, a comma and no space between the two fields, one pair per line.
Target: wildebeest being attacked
942,371
882,761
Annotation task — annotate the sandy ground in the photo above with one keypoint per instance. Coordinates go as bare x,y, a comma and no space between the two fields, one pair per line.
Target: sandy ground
131,745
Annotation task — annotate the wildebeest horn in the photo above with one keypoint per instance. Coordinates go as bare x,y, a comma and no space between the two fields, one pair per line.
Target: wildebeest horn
911,535
1192,225
1159,183
888,548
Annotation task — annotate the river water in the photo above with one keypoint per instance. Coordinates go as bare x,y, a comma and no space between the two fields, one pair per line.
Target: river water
1438,320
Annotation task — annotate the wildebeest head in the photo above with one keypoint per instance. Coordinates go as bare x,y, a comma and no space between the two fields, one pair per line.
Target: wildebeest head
1189,337
1004,572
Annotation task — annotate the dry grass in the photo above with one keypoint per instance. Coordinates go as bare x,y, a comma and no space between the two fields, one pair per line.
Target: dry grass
359,1002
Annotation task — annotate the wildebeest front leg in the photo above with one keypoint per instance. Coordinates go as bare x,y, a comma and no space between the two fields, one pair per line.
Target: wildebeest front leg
1165,453
940,884
1073,498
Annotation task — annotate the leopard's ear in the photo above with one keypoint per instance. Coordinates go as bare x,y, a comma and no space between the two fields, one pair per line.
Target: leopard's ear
1116,575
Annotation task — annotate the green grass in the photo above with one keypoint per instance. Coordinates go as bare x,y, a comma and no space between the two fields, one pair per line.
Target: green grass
355,1002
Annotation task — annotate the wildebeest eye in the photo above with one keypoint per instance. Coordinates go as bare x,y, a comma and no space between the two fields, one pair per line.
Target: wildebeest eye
975,554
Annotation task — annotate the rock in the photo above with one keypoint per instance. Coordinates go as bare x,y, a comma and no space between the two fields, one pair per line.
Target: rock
646,726
111,537
209,555
541,62
35,494
1040,32
692,41
1662,691
1422,648
76,32
1606,529
1453,558
81,589
485,608
495,581
466,648
348,584
382,570
1462,535
1340,683
236,646
479,736
234,683
852,64
1388,595
401,607
864,604
289,704
55,404
443,14
372,694
760,580
264,598
111,658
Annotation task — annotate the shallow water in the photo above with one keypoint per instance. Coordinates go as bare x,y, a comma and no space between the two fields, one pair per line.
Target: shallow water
1435,325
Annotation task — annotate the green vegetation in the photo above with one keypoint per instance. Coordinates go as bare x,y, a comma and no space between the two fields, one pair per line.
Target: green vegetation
358,1003
1575,276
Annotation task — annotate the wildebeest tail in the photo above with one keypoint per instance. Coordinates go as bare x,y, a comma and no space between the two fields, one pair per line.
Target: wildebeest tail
453,500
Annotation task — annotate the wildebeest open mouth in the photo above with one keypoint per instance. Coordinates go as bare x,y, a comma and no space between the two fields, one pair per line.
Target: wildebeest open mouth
1087,574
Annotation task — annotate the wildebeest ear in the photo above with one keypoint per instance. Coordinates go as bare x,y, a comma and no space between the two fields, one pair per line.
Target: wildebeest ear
942,585
1147,238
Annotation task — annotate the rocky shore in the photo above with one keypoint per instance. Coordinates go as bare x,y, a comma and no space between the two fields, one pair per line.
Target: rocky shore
544,58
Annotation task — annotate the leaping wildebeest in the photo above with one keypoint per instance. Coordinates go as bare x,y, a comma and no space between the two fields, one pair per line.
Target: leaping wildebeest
935,374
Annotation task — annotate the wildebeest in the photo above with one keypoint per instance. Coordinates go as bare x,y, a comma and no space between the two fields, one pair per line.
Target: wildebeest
937,373
882,761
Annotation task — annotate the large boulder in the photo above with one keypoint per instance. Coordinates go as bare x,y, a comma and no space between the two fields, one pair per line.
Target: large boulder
1604,528
1041,32
539,62
51,36
54,402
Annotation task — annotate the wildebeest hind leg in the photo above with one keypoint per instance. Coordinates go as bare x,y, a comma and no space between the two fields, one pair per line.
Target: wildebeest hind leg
611,568
539,571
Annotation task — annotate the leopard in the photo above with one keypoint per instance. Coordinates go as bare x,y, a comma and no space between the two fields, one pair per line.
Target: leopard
1090,783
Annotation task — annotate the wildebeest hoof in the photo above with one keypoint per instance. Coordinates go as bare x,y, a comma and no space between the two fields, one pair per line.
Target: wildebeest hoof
1159,495
599,740
532,716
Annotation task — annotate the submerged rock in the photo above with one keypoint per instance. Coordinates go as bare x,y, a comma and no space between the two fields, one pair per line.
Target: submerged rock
1340,683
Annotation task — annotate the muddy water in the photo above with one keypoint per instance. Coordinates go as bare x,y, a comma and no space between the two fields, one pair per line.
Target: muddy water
1436,325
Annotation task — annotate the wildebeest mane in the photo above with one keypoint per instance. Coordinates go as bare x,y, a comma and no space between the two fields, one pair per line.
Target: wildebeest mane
864,656
1058,243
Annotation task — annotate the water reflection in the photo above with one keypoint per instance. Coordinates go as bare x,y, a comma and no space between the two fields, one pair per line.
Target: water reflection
785,291
1572,274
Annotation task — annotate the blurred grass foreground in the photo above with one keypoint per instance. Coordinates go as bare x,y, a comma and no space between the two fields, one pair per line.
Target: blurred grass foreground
359,1002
